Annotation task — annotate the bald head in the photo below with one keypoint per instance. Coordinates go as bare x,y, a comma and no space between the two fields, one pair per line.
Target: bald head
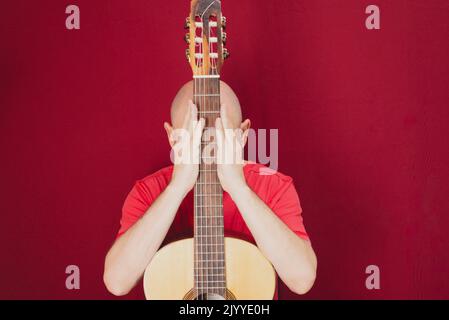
228,100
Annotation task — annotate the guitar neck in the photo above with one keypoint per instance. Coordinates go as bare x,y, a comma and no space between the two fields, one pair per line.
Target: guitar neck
210,275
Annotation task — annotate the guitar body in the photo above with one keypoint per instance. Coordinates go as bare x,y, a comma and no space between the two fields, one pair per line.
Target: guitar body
170,275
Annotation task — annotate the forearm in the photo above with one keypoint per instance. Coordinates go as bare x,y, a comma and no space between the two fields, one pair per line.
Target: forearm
132,252
292,257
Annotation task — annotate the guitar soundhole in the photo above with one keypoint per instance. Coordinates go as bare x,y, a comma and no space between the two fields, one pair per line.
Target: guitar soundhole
191,295
209,296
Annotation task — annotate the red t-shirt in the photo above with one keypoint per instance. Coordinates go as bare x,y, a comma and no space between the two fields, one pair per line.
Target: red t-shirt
274,188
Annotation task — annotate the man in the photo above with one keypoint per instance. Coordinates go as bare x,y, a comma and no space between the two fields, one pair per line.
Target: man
264,208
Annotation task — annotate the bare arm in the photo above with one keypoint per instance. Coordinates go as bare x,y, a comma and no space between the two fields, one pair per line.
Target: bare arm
292,257
132,252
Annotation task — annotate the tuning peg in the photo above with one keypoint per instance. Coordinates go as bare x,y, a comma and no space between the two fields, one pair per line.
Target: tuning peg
187,23
187,38
223,22
224,37
226,53
188,54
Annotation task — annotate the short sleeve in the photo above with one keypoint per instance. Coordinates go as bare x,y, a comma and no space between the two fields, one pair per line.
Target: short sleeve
286,205
136,204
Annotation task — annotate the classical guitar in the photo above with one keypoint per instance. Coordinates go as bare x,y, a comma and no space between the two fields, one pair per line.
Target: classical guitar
210,266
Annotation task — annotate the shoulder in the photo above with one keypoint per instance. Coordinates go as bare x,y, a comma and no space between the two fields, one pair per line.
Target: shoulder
163,174
157,181
268,184
258,171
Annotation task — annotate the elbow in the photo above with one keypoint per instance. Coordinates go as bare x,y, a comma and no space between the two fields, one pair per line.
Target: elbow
303,281
303,285
113,284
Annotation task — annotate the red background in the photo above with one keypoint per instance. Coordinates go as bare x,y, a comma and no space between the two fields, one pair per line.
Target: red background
362,118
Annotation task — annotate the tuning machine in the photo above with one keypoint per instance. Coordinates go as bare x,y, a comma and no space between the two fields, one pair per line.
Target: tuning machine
188,55
187,38
226,53
224,37
223,22
187,23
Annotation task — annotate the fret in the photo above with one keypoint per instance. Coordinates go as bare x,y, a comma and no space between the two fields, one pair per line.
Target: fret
213,252
206,76
209,111
207,227
218,246
208,183
219,279
202,261
207,157
209,195
206,95
205,244
210,236
209,206
204,240
212,217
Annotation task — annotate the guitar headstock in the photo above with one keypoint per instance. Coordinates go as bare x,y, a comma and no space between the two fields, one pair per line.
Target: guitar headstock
206,37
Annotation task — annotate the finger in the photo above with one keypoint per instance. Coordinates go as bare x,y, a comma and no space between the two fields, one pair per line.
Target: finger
170,133
245,124
245,136
224,116
198,132
193,117
193,111
219,137
219,130
242,138
186,124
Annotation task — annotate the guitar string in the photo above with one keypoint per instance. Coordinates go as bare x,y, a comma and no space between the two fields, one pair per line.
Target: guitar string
208,178
205,296
213,209
209,166
218,210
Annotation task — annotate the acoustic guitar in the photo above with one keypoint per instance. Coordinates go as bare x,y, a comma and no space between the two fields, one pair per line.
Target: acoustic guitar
210,266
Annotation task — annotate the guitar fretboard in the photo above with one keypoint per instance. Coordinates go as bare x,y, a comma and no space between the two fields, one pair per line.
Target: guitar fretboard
210,271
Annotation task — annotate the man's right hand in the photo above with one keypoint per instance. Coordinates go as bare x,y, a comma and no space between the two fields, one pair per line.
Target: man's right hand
186,150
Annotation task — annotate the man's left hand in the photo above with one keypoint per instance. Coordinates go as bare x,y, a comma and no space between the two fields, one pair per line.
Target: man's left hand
230,147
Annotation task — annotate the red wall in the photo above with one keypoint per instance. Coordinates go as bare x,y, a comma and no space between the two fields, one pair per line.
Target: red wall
362,118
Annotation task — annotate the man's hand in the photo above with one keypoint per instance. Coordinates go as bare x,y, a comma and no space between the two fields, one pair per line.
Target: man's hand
186,150
230,144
